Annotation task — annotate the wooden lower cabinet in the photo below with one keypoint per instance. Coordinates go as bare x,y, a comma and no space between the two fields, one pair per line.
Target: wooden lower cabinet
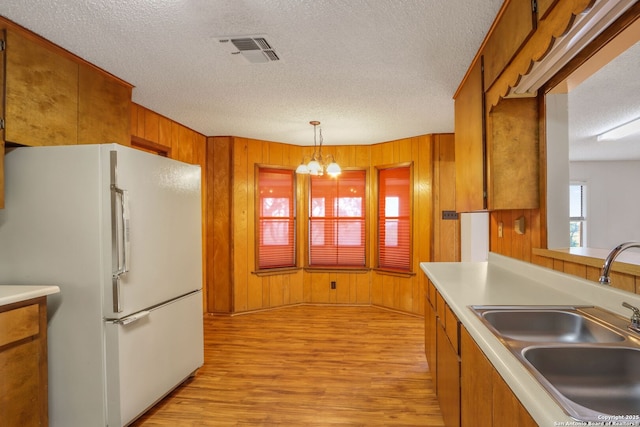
476,383
23,364
430,326
470,390
448,378
486,399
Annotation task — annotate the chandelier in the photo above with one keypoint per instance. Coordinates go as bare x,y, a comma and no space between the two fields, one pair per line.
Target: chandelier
319,163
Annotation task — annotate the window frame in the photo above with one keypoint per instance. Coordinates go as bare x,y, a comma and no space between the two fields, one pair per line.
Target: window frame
365,223
384,268
582,220
258,220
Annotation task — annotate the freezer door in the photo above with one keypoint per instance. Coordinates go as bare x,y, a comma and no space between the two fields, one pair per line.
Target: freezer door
148,357
153,230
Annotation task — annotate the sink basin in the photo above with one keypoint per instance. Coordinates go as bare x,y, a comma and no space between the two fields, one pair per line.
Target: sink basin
602,379
584,356
548,325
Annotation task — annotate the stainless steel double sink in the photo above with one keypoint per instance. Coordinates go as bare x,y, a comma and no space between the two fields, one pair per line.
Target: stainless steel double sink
584,356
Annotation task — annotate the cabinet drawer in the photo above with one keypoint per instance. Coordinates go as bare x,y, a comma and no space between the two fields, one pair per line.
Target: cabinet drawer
19,323
440,308
448,321
431,294
452,329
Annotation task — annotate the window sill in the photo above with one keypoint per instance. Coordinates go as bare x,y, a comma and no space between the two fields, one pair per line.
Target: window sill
275,271
394,272
337,269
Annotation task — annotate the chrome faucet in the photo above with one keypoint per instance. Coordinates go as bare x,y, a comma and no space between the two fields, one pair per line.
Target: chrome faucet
604,276
635,317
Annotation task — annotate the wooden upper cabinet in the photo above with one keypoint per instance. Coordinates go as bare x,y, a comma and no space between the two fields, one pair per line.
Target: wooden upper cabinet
497,148
182,140
150,131
103,110
543,6
53,98
41,94
2,84
513,155
153,132
470,143
514,26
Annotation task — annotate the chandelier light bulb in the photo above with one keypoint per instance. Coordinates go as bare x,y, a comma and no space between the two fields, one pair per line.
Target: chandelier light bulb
334,169
319,163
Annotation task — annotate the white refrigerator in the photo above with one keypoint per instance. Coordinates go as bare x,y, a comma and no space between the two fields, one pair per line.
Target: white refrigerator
119,231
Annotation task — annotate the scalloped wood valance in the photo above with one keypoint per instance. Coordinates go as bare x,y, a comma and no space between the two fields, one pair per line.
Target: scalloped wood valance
554,25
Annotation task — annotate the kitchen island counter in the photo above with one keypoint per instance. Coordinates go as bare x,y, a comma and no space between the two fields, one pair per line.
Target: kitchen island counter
506,281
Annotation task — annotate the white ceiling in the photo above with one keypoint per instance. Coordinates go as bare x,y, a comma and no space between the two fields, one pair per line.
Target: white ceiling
607,99
369,70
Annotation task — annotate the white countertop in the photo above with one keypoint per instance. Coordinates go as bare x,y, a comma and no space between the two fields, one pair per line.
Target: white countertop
10,293
506,281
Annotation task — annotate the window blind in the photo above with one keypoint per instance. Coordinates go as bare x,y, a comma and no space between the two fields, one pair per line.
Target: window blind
394,218
337,220
276,218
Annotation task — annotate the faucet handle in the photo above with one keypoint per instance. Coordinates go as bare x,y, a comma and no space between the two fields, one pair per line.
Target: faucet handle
635,317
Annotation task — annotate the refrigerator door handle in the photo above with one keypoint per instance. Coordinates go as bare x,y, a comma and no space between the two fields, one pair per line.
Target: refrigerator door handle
133,318
115,284
121,222
120,247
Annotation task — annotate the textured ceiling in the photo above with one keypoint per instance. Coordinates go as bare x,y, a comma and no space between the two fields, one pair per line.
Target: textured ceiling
605,100
369,70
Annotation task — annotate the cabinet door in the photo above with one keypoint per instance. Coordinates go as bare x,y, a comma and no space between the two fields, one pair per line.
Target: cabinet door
514,26
430,321
470,156
513,155
19,385
3,38
507,409
41,94
476,384
448,380
103,110
486,399
182,141
23,364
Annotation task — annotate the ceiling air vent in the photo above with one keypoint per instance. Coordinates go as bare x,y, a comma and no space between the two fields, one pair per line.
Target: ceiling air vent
254,49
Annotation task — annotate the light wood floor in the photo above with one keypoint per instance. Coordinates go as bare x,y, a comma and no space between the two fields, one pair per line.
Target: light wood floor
307,366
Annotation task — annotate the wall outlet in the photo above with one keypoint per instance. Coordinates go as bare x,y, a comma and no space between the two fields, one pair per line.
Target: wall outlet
449,215
333,284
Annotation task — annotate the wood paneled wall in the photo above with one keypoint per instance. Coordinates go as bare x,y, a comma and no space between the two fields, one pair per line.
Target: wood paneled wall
512,244
398,292
242,290
155,133
584,269
446,232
